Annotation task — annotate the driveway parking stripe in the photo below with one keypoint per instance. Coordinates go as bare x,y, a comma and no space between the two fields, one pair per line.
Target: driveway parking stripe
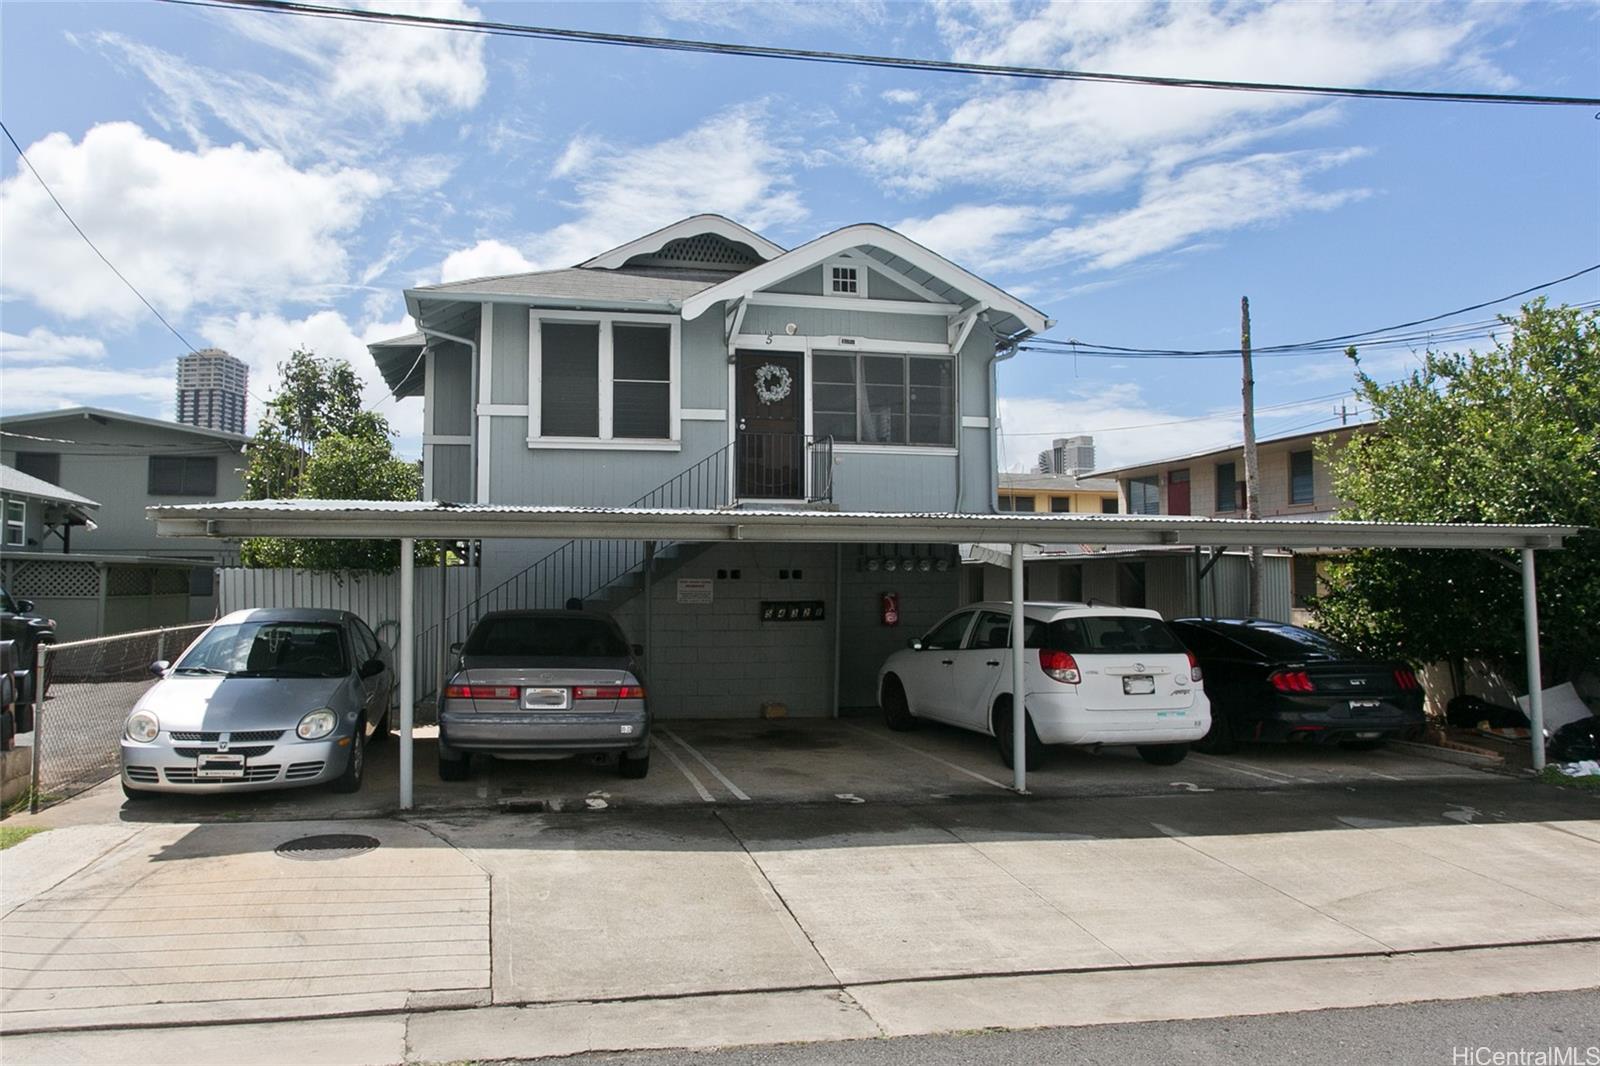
1212,760
693,780
929,755
718,774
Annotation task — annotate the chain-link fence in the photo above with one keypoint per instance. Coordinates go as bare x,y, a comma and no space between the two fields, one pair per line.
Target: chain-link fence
88,687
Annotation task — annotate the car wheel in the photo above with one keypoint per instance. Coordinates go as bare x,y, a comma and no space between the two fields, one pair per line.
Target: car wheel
896,711
634,766
1033,747
381,734
456,768
1361,745
1220,738
356,765
1163,754
133,795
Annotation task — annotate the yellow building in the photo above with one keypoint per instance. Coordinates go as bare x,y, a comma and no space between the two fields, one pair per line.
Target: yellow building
1057,493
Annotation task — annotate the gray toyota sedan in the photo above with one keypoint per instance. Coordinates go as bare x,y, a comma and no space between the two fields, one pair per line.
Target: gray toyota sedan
265,698
537,684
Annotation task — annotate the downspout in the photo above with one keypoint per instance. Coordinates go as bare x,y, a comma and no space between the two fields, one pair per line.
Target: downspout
472,412
1000,353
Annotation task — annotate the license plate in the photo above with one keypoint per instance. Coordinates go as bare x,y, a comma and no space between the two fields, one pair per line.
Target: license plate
1138,685
1368,736
223,766
544,699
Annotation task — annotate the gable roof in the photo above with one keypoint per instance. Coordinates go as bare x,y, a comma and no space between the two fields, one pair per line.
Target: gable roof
14,482
889,248
102,414
693,226
663,286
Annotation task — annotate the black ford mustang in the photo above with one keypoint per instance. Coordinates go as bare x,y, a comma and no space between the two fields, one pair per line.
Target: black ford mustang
1270,681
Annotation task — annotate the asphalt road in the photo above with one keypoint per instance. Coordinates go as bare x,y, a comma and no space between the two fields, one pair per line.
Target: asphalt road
1421,1033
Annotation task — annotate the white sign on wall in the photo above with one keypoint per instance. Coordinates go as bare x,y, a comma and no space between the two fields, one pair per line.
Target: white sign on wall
694,590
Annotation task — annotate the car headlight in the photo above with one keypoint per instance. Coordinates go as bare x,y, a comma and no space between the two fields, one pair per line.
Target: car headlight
143,727
317,725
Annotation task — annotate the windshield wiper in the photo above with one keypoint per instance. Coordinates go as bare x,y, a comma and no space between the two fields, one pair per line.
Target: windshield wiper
200,670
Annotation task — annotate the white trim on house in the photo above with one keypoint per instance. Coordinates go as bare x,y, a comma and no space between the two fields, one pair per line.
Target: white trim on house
856,268
843,240
19,524
974,421
852,303
427,423
703,414
772,342
605,320
857,448
835,343
446,438
503,410
903,280
693,226
480,457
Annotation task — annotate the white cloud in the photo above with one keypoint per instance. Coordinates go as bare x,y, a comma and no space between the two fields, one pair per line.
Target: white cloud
188,228
743,14
974,234
487,258
623,192
43,388
41,345
1211,198
901,96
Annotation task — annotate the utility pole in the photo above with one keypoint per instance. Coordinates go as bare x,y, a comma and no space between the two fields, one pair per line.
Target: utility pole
1252,483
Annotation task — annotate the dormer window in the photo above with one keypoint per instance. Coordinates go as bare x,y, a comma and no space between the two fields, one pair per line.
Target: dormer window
842,277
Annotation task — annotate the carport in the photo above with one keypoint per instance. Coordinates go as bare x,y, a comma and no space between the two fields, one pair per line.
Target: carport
409,522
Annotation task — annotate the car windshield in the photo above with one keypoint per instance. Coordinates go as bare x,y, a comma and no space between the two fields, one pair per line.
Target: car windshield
547,638
1288,642
1105,635
268,649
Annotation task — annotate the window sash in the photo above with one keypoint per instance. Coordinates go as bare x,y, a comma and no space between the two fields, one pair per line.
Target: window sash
16,523
632,394
1227,488
182,475
1302,482
888,399
1144,495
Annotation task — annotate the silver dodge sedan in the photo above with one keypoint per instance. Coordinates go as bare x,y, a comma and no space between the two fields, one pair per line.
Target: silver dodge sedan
265,698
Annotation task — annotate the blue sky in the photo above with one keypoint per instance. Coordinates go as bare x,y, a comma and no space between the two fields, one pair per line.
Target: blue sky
271,182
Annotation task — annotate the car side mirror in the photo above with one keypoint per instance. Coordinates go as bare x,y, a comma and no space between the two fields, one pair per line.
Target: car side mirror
160,667
455,649
638,649
915,644
372,668
24,606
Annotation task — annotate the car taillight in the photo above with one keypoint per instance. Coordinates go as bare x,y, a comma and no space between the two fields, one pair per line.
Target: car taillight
1291,681
607,692
482,692
1194,668
1059,666
1407,680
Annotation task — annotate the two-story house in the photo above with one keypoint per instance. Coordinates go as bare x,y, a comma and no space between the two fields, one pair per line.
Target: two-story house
1058,493
1295,483
705,366
125,463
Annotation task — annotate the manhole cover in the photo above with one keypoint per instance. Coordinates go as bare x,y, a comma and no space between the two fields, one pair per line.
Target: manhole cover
326,846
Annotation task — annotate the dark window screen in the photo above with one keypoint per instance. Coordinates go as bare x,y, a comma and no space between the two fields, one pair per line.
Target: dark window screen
1227,488
1302,487
1061,504
539,637
641,400
1105,635
46,466
569,391
183,475
1144,495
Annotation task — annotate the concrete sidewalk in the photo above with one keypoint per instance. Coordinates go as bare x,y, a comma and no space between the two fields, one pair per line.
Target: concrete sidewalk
750,923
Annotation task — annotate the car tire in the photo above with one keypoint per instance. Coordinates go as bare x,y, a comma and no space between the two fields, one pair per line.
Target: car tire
134,795
1361,745
896,710
1163,754
1033,747
1220,739
633,766
381,734
355,766
455,769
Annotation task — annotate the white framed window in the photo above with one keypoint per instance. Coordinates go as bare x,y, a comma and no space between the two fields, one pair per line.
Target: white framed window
877,398
844,277
16,523
604,381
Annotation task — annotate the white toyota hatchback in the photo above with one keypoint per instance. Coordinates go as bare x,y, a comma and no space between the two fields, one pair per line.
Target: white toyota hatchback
1095,675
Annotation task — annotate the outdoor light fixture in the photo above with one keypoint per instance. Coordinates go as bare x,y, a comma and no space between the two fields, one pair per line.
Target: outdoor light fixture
791,329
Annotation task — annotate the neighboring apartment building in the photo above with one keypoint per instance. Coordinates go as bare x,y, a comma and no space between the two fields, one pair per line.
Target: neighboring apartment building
1060,493
1295,483
703,365
212,390
126,463
1068,455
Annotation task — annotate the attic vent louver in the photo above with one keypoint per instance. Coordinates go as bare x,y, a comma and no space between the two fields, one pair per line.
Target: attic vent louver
705,250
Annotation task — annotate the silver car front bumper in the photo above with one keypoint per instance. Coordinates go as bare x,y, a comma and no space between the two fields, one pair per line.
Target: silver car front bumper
292,763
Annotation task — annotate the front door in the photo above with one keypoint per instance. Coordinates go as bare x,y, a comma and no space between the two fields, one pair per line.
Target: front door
769,449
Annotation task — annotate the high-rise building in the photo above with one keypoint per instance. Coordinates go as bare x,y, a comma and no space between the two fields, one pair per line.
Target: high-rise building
211,390
1068,455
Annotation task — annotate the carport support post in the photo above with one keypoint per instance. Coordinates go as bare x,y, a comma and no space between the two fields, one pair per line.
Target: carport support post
408,672
1019,683
1530,629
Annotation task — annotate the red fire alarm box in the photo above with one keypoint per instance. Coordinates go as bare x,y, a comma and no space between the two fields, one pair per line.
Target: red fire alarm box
891,608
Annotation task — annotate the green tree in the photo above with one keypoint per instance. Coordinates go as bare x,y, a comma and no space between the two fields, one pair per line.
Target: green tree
1510,435
316,442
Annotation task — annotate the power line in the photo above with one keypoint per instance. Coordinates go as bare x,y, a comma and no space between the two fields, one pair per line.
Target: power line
1323,344
675,44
